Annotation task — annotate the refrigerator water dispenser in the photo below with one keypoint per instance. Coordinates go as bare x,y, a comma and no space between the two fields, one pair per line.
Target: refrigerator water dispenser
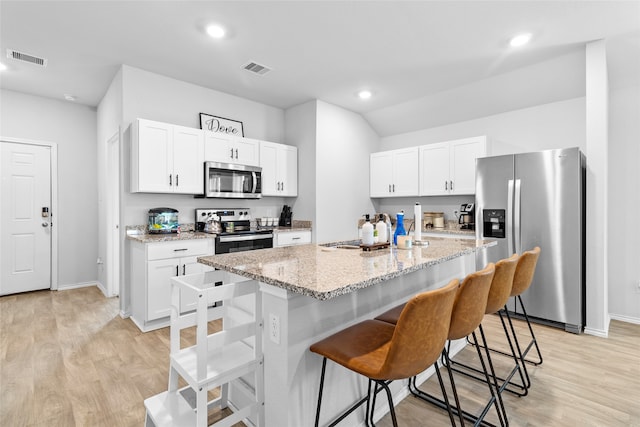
493,223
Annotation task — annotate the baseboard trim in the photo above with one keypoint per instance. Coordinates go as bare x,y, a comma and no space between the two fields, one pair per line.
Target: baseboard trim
596,332
77,286
628,319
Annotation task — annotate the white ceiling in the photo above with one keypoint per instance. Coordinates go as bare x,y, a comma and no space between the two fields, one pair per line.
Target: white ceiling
427,62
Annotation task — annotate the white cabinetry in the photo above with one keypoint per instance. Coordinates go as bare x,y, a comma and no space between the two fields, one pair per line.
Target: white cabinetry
394,173
219,147
291,238
279,164
448,168
153,265
166,158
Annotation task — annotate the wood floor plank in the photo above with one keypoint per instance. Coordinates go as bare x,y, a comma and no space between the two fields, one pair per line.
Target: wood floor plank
67,358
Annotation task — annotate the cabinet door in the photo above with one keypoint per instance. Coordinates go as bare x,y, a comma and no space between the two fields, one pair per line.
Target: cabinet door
434,169
269,164
159,276
154,147
188,164
463,155
246,151
217,148
288,170
380,174
405,172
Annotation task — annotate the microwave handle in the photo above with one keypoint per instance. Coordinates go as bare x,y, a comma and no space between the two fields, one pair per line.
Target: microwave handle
255,182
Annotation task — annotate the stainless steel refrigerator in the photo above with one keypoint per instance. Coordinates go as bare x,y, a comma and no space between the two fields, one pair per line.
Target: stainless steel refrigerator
538,199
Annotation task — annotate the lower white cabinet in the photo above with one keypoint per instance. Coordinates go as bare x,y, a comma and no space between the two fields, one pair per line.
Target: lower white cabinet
152,267
291,238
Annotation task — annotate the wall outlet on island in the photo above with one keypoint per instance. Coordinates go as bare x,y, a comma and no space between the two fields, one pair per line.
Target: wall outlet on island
638,287
274,328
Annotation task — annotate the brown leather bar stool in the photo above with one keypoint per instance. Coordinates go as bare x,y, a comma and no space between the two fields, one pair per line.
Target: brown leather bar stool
498,295
383,352
468,312
522,279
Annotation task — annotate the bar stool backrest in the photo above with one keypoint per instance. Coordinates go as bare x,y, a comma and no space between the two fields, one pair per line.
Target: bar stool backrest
524,271
501,284
471,302
420,334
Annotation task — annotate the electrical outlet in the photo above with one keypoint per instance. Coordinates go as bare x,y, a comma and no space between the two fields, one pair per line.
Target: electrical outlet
274,328
638,287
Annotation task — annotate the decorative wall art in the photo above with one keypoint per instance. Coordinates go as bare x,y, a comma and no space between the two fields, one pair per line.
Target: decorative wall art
221,125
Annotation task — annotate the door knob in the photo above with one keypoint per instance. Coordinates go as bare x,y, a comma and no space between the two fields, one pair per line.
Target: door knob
45,224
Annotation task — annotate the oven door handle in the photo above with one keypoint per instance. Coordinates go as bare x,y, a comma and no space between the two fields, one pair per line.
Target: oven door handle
248,237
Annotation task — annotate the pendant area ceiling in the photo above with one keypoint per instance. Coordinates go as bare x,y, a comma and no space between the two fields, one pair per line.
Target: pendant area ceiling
446,60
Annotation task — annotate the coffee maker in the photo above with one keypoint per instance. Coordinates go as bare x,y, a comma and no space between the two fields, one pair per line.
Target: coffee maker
467,216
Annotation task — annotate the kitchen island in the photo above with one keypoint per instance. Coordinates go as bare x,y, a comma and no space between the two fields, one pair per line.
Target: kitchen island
312,291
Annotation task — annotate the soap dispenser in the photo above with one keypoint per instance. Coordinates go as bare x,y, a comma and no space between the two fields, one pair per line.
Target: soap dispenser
381,228
400,231
367,231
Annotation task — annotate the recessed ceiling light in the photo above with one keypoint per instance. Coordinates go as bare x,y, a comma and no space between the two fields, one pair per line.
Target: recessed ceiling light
364,94
69,97
2,67
216,31
520,40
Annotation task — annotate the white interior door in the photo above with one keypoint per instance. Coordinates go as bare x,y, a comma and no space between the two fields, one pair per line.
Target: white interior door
25,233
112,262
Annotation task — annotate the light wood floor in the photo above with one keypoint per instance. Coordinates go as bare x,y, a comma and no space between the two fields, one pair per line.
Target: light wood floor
68,359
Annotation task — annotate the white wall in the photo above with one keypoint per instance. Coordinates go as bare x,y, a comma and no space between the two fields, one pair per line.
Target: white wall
300,130
109,121
73,128
344,142
559,124
624,204
556,125
155,97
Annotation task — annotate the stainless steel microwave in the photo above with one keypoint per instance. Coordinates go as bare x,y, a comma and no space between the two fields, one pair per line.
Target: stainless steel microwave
232,181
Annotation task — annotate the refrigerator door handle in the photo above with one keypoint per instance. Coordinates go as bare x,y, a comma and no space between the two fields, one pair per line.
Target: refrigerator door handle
509,219
516,218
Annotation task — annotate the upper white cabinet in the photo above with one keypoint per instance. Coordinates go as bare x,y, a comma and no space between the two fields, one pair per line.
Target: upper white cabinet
394,173
448,168
279,164
219,147
166,158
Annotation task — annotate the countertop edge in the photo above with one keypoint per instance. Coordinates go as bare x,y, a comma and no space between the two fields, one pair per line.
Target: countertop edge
323,296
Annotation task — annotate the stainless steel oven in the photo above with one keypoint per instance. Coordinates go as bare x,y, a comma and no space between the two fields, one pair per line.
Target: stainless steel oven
234,229
242,241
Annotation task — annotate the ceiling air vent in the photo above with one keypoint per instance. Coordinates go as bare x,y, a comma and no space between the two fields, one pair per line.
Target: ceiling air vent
256,68
25,57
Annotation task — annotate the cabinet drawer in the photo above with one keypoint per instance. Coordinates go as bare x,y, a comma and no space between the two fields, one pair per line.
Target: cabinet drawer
289,238
179,249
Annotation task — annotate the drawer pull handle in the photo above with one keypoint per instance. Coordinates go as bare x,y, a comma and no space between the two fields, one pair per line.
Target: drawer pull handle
180,250
295,238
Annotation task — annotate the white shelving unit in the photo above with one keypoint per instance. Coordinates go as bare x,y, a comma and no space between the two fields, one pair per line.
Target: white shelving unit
230,357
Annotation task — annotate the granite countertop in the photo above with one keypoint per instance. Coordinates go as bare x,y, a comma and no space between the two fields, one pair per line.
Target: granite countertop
138,233
155,238
323,272
445,231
